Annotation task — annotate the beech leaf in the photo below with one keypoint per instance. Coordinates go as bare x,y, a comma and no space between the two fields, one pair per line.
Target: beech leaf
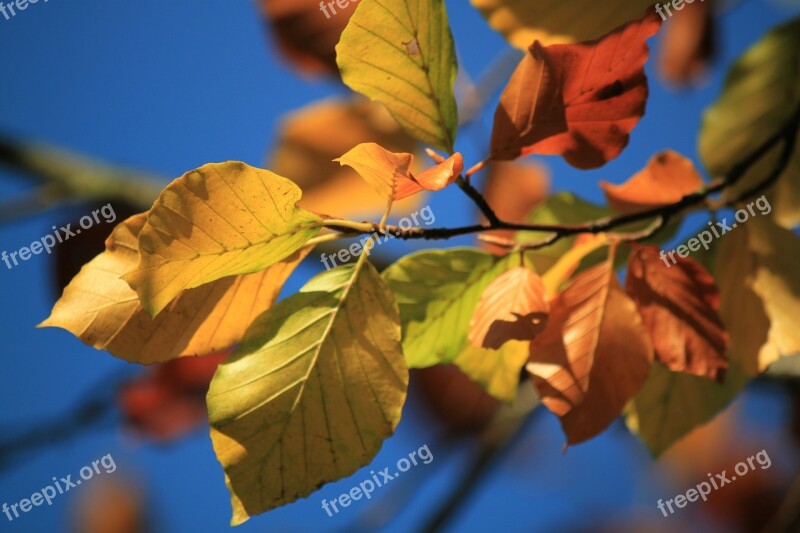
512,307
315,387
678,304
580,101
667,178
594,356
391,176
437,292
101,309
401,53
305,148
220,220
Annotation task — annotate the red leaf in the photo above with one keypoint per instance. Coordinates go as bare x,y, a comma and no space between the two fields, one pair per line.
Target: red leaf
678,304
580,101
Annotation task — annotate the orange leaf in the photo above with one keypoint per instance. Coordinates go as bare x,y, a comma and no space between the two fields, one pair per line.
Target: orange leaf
580,101
667,178
512,307
594,356
390,173
679,305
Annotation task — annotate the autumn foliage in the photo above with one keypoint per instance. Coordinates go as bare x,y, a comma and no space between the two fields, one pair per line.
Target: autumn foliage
318,380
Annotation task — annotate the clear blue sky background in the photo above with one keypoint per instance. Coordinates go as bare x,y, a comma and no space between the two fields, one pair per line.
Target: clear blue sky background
168,86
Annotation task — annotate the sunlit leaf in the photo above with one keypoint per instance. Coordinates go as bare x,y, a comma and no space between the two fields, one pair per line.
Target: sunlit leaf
558,21
512,307
401,53
437,292
305,150
104,312
390,174
315,387
678,303
580,101
667,178
594,356
217,221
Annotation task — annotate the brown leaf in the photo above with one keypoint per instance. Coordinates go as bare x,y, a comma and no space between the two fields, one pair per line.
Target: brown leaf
305,33
594,356
576,100
667,178
688,44
512,307
678,304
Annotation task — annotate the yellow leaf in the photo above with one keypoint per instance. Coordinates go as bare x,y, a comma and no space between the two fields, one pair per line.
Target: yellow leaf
401,53
104,312
558,21
306,147
316,386
219,220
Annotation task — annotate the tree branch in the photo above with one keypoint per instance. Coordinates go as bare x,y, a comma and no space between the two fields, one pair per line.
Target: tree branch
787,134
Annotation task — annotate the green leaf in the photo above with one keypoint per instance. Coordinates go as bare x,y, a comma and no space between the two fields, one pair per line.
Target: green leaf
437,292
315,387
401,53
761,90
672,404
217,221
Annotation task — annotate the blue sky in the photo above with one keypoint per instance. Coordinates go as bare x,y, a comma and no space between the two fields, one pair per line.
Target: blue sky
169,86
